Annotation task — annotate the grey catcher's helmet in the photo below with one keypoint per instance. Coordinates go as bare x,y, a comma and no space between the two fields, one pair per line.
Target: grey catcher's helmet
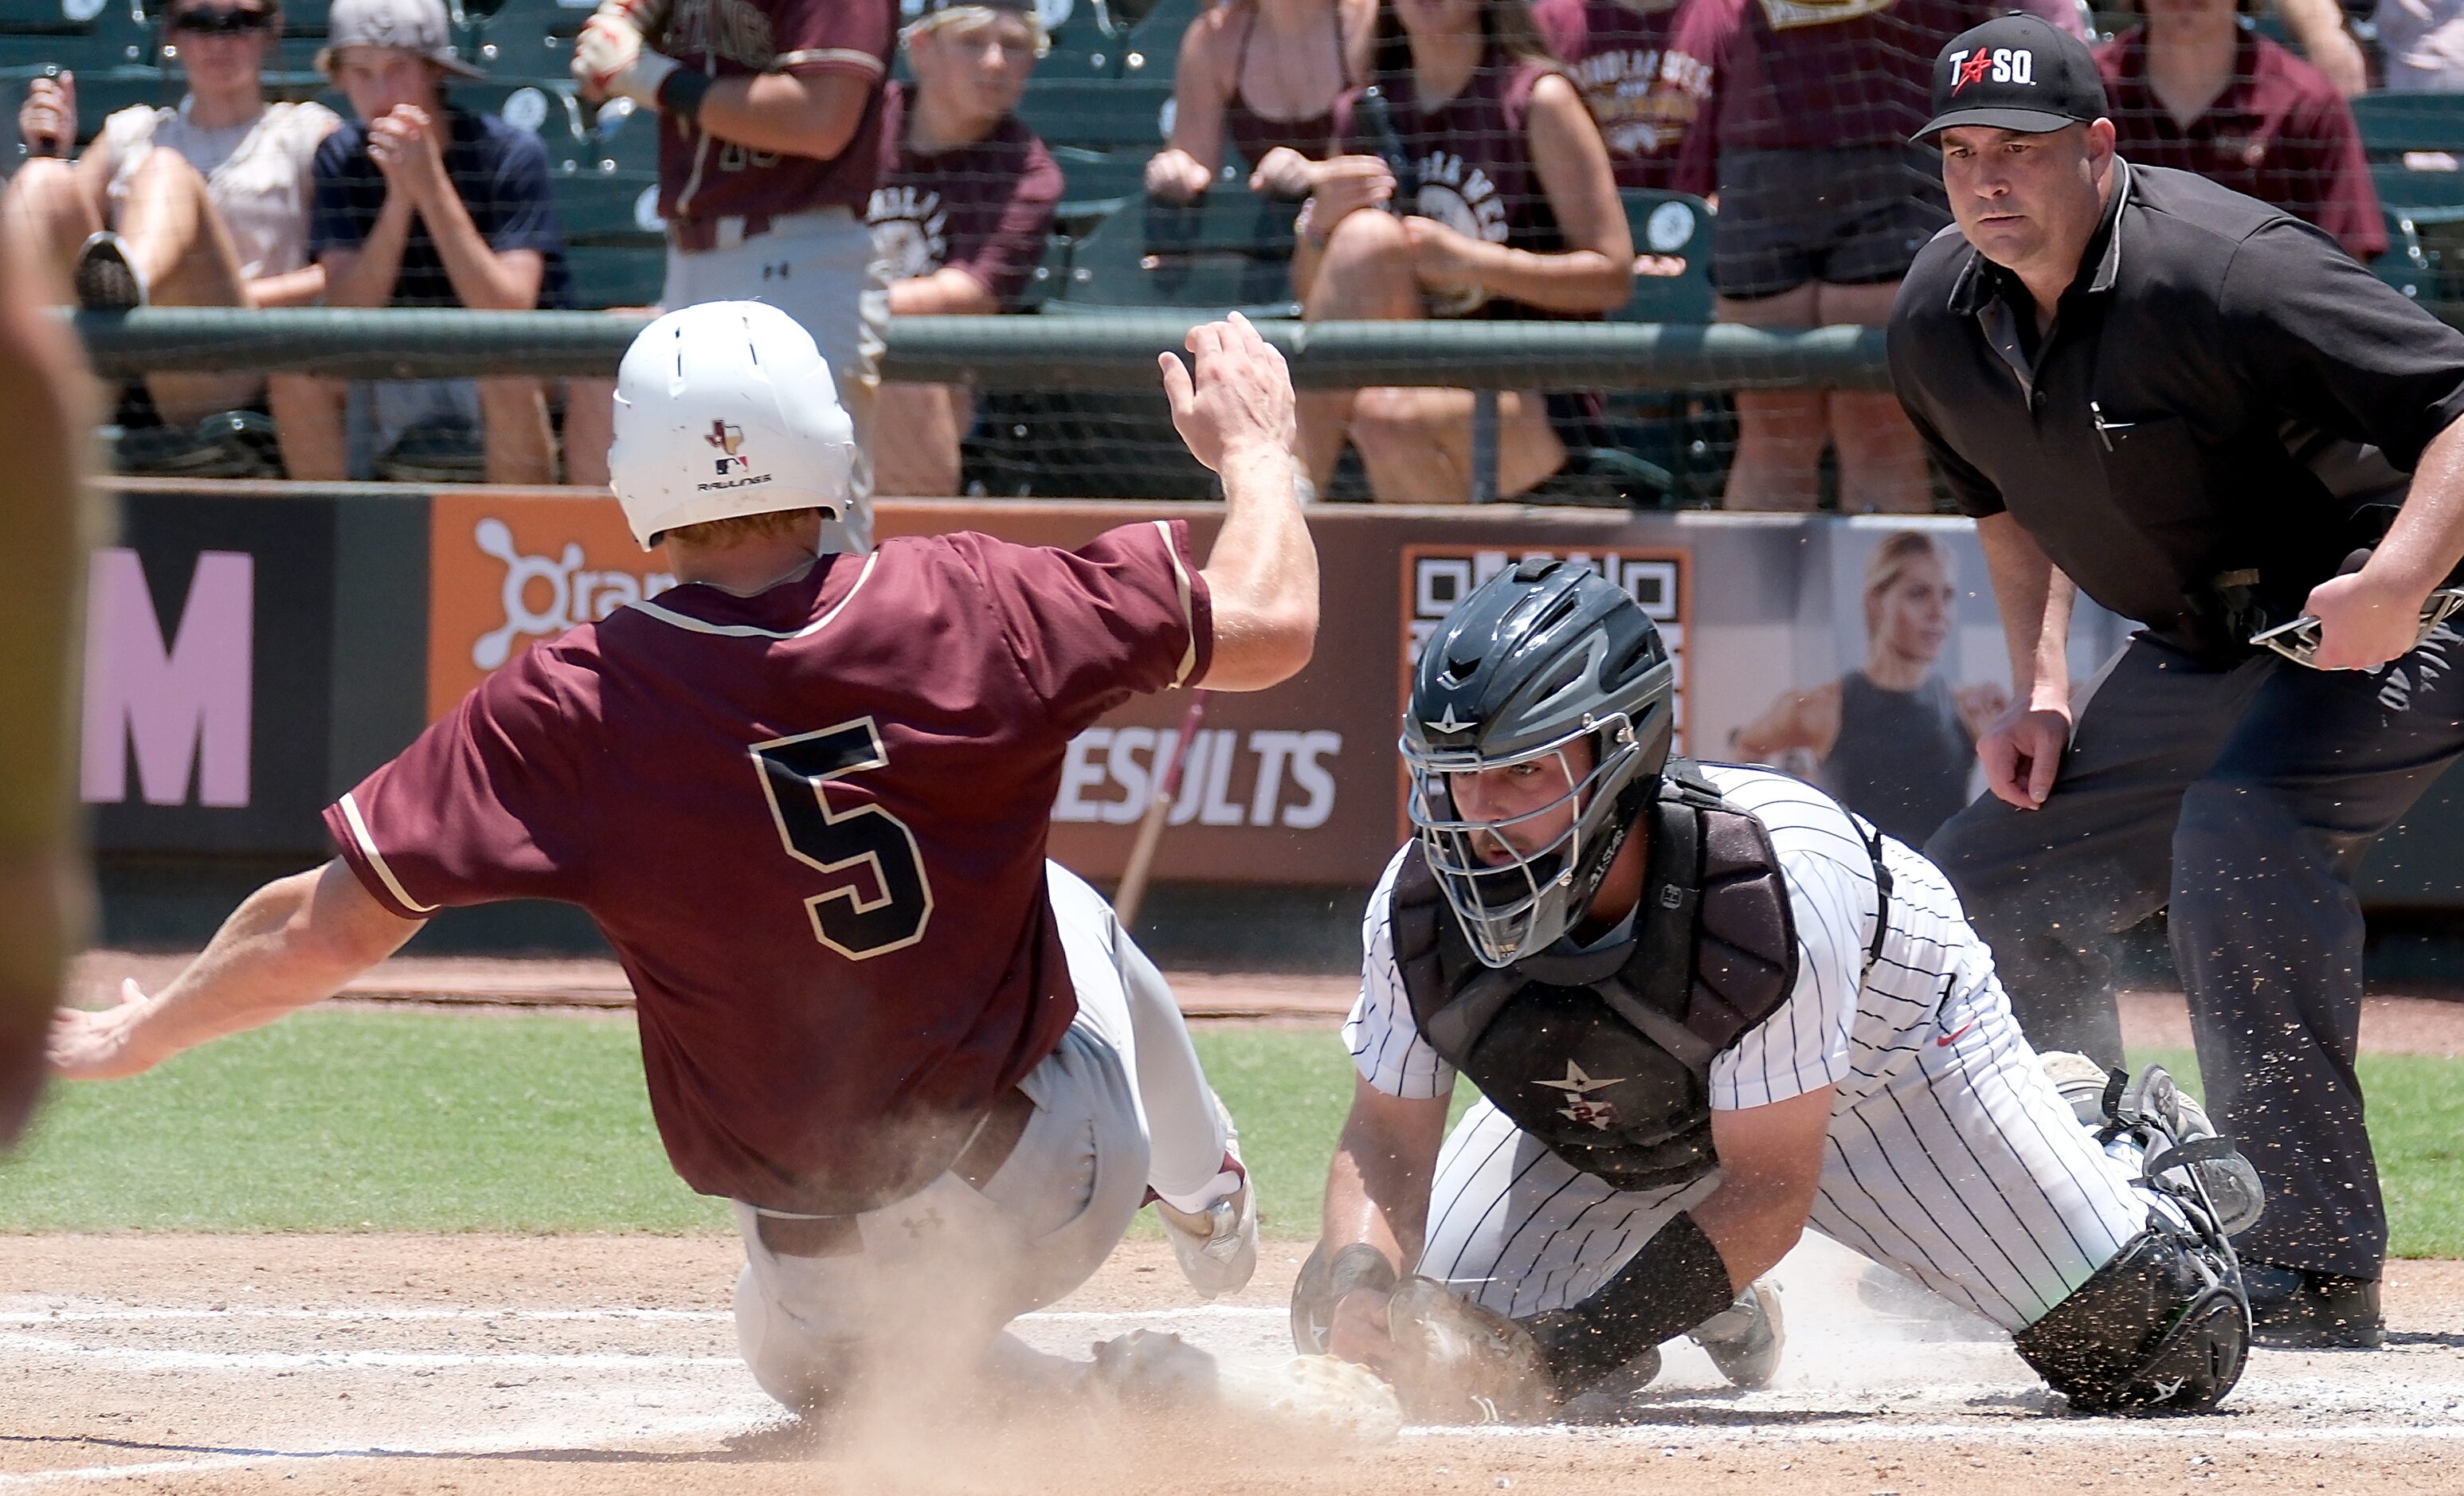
1541,655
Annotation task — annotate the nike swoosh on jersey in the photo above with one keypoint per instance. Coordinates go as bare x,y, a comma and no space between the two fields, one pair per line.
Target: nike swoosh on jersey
1952,1038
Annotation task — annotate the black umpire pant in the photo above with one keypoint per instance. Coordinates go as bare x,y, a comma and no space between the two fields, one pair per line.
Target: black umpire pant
2243,797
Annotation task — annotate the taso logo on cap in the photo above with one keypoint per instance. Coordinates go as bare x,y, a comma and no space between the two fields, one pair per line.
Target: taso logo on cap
2003,64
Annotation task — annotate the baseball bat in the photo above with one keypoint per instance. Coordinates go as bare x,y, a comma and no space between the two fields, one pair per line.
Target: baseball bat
1133,890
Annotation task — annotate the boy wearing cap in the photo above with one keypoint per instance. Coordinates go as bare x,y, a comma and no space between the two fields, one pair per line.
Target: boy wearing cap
421,204
2191,405
963,211
770,145
202,205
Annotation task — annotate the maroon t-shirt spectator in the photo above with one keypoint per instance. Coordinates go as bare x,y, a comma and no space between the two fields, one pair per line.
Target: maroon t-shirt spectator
702,177
1614,52
2280,132
1473,157
984,209
1813,74
812,824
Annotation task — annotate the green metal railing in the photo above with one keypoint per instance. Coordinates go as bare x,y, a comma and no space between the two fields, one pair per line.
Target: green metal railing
1106,351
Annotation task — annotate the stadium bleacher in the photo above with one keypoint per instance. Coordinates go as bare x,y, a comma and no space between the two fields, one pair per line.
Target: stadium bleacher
1101,99
2415,145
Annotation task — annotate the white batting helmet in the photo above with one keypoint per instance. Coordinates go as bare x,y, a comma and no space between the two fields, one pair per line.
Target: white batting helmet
727,408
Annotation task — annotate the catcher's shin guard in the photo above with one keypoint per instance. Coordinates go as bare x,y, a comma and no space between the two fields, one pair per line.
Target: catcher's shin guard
2163,1328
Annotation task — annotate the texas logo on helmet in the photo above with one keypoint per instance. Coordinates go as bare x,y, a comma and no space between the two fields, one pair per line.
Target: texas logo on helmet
729,439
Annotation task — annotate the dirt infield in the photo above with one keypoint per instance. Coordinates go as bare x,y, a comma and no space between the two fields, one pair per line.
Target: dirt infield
482,1364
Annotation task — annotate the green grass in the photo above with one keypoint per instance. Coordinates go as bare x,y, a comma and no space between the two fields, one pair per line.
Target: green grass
353,1120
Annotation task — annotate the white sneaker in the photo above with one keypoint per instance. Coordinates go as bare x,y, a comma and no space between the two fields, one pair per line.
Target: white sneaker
2082,1081
1217,1247
1744,1339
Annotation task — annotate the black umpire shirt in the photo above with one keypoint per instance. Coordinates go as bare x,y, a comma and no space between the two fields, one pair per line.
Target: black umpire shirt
2225,406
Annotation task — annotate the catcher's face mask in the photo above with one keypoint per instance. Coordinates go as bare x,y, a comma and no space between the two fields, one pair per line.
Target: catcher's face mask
1506,837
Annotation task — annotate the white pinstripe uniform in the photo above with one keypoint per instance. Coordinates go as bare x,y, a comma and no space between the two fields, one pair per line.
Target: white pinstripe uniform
1952,1157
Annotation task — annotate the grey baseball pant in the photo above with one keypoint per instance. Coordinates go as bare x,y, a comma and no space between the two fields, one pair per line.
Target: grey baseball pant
932,1278
2243,799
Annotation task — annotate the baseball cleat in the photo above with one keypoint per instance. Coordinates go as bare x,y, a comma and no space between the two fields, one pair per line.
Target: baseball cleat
1217,1247
1309,1396
1461,1363
2313,1311
1746,1338
105,279
2081,1082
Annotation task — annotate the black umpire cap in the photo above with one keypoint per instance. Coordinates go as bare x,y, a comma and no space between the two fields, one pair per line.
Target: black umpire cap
2015,73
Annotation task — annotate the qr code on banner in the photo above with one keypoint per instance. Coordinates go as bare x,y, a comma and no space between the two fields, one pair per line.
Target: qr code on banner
1438,577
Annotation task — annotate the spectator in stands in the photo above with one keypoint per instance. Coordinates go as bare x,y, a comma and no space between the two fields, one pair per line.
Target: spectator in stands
1803,111
1616,51
769,148
2197,90
963,211
2423,42
205,204
1512,213
1265,74
419,202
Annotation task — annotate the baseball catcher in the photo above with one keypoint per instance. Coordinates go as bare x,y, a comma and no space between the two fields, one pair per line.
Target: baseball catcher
806,798
1706,1009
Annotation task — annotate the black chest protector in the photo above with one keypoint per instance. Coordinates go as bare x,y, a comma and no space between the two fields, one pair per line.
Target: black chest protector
1605,1055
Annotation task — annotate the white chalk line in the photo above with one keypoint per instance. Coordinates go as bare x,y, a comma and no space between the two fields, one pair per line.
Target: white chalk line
476,1445
347,1315
2024,1429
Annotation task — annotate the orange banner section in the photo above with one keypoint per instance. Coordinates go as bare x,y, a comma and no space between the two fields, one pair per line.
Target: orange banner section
505,573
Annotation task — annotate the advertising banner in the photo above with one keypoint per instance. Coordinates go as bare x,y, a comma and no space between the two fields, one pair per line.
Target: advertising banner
208,653
507,572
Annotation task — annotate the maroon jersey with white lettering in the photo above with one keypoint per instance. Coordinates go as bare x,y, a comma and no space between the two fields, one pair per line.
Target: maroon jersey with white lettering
812,824
701,176
1614,51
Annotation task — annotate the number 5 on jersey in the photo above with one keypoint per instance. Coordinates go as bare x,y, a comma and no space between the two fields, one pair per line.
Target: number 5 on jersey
796,772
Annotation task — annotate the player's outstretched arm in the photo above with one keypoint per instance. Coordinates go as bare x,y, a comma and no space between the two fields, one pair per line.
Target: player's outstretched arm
1235,414
293,941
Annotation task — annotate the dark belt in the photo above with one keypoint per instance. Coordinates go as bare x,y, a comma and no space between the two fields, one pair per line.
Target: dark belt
837,1236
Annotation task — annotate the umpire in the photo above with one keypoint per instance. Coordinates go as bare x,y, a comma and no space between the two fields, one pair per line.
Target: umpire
2191,407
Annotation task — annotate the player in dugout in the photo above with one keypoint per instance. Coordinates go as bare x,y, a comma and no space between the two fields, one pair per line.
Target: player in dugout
804,795
1706,1009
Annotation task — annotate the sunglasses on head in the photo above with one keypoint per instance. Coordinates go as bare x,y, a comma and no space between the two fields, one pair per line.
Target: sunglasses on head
219,20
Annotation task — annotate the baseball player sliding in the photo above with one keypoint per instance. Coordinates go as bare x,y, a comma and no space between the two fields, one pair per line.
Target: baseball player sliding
806,798
1707,1008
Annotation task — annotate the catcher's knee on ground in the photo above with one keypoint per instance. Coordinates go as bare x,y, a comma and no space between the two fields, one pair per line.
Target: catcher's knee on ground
2163,1328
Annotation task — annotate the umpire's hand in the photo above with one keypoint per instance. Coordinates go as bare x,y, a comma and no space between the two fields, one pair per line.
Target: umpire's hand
1241,398
2022,752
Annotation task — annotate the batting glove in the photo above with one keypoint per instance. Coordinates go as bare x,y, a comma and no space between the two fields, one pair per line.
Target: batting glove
611,60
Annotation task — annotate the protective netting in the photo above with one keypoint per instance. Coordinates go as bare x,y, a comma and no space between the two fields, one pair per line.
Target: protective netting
1094,195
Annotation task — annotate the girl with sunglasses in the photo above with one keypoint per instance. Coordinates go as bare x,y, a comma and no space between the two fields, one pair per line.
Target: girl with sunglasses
201,204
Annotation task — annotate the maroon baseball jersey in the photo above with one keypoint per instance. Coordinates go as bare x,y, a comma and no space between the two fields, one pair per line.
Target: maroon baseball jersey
1473,157
1614,51
986,208
812,824
2280,132
1810,75
703,177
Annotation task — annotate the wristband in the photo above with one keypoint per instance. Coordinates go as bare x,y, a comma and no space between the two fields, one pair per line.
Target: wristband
1305,225
679,92
1674,1283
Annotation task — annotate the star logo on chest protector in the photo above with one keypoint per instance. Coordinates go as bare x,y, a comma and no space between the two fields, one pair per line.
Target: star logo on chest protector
1579,1106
